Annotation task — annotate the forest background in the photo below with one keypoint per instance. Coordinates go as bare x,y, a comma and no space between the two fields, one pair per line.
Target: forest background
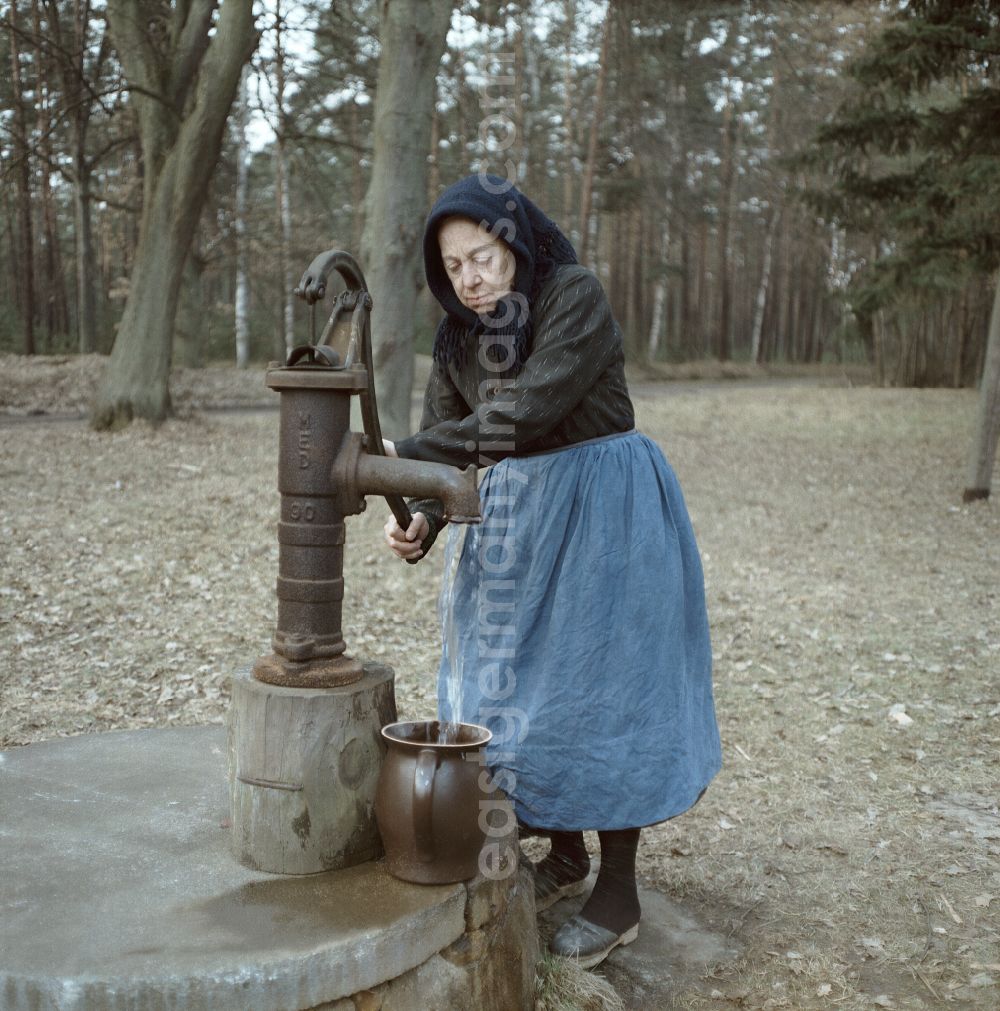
779,182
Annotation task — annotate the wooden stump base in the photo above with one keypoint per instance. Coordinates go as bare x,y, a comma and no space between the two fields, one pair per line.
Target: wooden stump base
303,767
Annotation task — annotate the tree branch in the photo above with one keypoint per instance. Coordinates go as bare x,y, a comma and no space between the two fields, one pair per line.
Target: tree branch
140,61
228,50
74,77
190,44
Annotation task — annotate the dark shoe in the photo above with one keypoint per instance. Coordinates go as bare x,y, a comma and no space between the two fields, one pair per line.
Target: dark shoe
548,892
588,943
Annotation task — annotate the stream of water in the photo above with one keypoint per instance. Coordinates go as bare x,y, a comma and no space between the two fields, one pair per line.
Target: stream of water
452,660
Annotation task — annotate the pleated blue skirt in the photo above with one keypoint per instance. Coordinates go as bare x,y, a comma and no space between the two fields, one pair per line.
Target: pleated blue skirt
574,628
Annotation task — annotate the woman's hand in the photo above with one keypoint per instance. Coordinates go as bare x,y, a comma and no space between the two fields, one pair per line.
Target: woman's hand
406,543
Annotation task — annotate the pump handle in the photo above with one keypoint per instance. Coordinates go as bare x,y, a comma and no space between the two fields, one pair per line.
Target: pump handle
358,303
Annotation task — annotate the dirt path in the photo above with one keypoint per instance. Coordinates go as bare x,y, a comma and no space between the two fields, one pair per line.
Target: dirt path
850,843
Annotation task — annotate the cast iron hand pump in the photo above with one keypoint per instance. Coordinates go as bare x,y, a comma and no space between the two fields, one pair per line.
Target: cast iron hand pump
324,472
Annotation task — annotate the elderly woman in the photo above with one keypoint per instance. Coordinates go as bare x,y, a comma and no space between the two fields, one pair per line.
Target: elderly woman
574,623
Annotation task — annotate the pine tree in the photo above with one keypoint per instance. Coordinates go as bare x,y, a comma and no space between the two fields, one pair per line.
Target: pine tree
917,162
915,155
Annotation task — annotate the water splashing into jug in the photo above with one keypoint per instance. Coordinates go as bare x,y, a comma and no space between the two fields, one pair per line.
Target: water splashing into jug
452,659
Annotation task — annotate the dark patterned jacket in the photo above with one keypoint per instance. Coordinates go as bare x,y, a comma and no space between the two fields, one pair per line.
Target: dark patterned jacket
571,388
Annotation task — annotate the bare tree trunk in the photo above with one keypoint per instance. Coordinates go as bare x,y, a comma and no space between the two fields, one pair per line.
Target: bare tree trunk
791,289
412,33
616,264
764,286
984,443
815,300
569,120
701,299
520,112
782,297
189,342
635,346
684,326
878,346
22,175
287,271
72,50
56,308
358,180
958,355
604,255
241,300
533,81
587,186
462,85
86,303
799,347
725,216
287,268
660,293
183,94
434,165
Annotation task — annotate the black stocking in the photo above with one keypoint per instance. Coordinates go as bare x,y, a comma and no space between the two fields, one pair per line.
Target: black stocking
567,860
614,902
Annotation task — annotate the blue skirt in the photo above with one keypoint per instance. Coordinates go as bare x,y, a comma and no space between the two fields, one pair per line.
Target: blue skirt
574,627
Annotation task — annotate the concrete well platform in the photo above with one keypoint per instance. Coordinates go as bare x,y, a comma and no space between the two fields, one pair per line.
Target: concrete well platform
118,890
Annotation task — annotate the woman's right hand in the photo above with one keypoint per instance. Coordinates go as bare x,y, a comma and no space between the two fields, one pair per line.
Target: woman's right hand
406,543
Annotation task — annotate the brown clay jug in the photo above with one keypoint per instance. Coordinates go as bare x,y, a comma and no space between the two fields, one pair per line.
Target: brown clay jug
428,800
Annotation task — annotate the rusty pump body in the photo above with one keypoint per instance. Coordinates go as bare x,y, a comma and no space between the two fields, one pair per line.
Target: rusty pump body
305,744
324,472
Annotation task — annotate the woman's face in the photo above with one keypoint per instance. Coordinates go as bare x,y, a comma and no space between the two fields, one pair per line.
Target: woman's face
480,267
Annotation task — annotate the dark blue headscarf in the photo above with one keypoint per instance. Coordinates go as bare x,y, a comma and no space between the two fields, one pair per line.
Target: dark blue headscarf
536,242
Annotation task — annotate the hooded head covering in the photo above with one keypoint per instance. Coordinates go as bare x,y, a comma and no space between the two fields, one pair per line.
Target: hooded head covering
536,242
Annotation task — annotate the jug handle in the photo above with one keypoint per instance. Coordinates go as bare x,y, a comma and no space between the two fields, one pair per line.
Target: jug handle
423,796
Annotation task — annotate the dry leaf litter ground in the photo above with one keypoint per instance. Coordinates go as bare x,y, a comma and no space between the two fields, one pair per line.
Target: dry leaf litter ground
850,843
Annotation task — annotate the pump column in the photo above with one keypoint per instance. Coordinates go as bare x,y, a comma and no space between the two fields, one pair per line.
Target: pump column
315,418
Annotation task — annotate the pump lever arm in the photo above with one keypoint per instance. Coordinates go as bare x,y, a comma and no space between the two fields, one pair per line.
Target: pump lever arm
312,289
312,285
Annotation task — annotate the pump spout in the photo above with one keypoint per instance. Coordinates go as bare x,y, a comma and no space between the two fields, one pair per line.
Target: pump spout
457,489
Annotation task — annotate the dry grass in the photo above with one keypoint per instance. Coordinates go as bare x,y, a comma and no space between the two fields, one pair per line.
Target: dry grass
561,985
852,854
712,370
66,384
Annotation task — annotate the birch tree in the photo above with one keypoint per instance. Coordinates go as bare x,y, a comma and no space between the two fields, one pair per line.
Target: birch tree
182,63
241,297
283,184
